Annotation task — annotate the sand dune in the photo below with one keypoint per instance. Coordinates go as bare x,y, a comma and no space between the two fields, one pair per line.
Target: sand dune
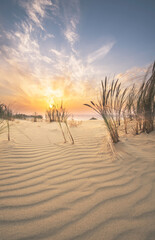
51,190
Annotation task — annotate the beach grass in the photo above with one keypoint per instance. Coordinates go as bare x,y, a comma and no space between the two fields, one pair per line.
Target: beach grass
109,106
137,103
5,116
64,118
140,104
58,113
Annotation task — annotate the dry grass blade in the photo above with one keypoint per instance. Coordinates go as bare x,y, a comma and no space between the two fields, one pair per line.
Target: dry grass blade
2,126
59,114
146,102
59,121
109,106
64,119
141,104
6,114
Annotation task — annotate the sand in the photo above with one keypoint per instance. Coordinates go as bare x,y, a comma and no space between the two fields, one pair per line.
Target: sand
55,191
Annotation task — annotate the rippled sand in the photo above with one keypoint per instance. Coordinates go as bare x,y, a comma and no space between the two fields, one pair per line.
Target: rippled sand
51,190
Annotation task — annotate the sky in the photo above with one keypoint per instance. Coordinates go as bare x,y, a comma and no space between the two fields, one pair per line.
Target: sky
61,49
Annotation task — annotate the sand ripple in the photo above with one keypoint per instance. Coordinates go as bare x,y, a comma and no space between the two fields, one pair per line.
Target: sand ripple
51,190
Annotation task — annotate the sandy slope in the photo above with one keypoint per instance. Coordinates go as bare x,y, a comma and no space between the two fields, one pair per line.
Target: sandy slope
52,190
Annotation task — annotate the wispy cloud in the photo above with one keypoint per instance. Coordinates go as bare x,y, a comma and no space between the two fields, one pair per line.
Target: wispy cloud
100,53
134,75
38,64
71,20
56,52
48,36
71,35
23,45
24,49
36,10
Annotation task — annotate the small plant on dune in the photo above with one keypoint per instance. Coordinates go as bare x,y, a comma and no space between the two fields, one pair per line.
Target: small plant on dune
2,108
8,117
63,117
5,114
35,117
54,115
140,104
143,104
2,124
51,113
110,105
146,102
125,122
59,120
74,123
130,102
58,113
128,111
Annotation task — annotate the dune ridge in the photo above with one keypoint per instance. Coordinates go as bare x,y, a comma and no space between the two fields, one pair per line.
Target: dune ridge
52,190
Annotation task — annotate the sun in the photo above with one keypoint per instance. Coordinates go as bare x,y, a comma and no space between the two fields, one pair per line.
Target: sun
51,102
53,96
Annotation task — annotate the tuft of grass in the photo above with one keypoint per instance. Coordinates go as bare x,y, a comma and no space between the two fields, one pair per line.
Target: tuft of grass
64,118
51,113
146,102
110,105
130,102
35,117
59,120
58,113
5,115
74,123
142,104
2,126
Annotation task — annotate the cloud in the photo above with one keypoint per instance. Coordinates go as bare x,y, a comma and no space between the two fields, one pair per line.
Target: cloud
36,10
71,17
57,53
35,67
23,90
135,75
71,35
70,64
12,85
100,53
24,49
48,36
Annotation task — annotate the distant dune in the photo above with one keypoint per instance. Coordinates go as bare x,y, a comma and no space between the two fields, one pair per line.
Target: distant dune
55,191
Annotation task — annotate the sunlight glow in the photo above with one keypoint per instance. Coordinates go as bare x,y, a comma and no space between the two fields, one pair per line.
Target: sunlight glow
51,103
53,96
55,93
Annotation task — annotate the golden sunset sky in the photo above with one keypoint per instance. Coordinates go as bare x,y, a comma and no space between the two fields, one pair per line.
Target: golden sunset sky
53,50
